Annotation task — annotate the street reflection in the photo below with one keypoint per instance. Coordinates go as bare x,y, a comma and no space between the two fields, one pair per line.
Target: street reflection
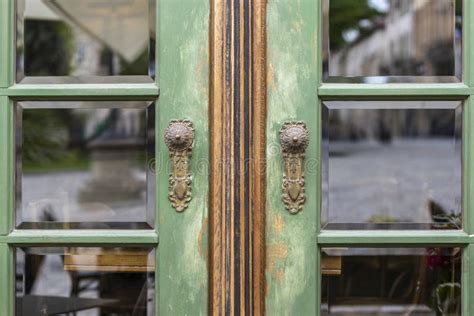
388,168
85,164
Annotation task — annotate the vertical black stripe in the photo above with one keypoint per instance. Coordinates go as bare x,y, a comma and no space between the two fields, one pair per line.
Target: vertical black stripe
227,167
237,156
237,173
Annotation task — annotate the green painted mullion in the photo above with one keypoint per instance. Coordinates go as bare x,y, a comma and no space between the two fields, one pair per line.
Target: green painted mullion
7,287
467,279
157,111
394,91
467,167
318,141
103,237
468,42
157,35
83,91
318,79
468,158
392,237
6,42
6,166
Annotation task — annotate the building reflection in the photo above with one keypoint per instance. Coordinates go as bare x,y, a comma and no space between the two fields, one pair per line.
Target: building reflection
393,38
90,41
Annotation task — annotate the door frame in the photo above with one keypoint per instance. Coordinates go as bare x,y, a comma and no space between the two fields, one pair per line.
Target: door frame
182,56
295,38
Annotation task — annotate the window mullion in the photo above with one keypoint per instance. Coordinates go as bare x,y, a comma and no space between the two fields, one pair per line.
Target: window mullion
6,42
6,169
468,280
7,287
468,53
468,145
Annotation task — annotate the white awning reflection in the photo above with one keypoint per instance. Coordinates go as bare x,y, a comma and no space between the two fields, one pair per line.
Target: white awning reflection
122,25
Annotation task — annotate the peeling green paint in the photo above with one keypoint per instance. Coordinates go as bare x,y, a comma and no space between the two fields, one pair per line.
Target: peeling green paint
291,269
182,73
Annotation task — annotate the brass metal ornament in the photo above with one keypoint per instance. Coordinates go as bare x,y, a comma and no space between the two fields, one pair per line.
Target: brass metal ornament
179,137
294,139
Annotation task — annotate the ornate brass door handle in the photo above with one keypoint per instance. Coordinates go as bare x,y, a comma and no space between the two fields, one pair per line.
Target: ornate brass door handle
179,137
294,139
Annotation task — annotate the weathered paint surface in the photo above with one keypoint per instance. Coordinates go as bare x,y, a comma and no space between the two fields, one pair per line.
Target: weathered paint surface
182,73
291,259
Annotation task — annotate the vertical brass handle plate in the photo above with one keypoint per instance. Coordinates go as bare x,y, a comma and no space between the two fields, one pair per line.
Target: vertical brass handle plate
179,137
294,139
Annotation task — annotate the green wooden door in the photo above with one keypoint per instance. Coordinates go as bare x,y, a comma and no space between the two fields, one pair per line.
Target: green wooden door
91,86
92,195
383,206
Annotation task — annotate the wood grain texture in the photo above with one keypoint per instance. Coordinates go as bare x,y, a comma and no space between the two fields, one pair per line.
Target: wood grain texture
258,171
109,260
237,156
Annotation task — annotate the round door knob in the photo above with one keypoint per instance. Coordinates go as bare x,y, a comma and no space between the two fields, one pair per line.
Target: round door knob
294,137
179,135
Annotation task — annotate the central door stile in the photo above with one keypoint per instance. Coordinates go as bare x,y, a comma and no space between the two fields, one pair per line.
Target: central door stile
237,112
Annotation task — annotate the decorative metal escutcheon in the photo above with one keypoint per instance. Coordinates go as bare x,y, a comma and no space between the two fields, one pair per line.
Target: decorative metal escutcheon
294,139
179,137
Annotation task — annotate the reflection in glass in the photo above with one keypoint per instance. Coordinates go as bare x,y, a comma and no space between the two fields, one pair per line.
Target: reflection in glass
85,164
393,165
91,41
392,40
85,281
391,281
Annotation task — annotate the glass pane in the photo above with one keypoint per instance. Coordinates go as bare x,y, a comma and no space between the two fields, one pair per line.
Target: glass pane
85,281
90,41
85,165
382,41
391,281
392,165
